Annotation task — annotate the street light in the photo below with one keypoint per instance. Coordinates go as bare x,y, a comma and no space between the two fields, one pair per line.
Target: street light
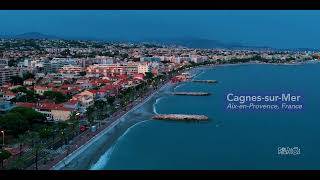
2,138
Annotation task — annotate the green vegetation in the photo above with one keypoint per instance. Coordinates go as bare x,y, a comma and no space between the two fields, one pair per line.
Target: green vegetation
13,63
40,137
65,52
56,97
4,154
29,95
14,123
148,75
27,75
19,120
45,132
83,73
110,100
16,80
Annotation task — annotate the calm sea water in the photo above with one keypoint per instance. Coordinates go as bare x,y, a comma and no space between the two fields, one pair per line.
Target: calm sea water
237,140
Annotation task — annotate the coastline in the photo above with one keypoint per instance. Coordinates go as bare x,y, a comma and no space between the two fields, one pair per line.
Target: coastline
252,63
110,131
72,162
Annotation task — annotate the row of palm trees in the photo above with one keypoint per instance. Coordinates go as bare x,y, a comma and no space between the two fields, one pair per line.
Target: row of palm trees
101,110
46,138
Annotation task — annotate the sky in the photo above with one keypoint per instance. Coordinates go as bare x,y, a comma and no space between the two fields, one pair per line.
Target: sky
279,29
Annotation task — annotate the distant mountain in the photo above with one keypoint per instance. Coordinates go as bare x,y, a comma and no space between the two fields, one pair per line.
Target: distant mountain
201,43
190,42
35,35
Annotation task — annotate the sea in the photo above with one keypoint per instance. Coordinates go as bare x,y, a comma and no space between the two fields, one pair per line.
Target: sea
230,140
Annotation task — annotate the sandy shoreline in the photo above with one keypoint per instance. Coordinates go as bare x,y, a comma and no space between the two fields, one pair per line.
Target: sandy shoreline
88,154
107,137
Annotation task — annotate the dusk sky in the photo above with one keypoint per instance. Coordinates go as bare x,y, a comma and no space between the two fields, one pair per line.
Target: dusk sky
280,29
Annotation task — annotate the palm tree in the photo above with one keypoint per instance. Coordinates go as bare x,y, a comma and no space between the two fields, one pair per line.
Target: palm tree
74,120
4,154
35,150
18,164
45,133
100,117
32,137
22,139
63,135
90,114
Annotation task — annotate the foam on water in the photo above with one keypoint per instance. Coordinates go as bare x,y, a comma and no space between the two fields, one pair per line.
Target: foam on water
155,105
104,159
178,86
199,74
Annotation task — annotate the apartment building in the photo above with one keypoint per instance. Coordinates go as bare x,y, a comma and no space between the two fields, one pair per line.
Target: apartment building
70,69
7,72
57,63
144,68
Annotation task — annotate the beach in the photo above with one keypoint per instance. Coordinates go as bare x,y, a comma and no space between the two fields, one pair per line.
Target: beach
88,154
108,144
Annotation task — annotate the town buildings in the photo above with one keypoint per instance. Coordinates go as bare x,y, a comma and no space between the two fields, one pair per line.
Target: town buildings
88,71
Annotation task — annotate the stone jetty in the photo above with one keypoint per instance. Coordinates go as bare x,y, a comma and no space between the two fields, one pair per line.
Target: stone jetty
192,93
205,81
180,117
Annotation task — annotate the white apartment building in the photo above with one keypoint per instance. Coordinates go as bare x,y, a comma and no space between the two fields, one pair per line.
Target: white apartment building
144,67
113,69
104,60
57,63
198,59
70,69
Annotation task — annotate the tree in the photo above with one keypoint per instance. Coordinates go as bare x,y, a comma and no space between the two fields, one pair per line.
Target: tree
74,120
63,136
45,132
110,99
14,123
4,154
22,139
35,150
19,89
32,137
65,52
18,164
12,63
90,114
29,96
62,126
83,73
57,97
16,80
27,75
148,75
29,114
